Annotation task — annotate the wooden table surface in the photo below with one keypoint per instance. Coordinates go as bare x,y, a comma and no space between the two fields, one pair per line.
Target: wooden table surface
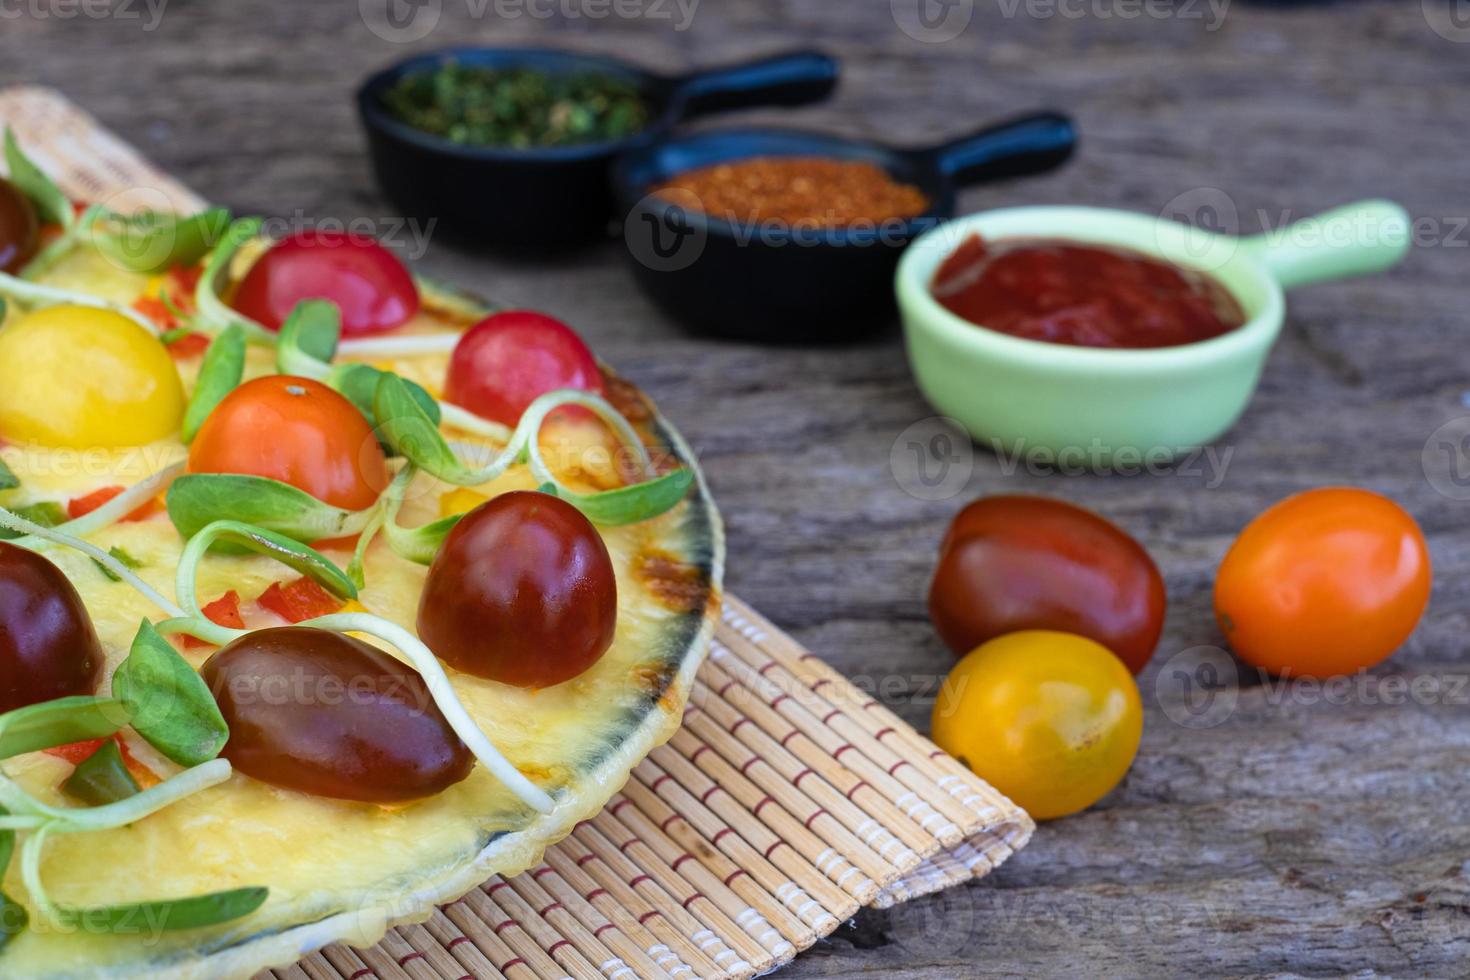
1304,833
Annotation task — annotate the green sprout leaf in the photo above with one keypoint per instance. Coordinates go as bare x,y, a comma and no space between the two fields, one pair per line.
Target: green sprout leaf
8,479
212,311
197,500
219,374
101,777
414,433
151,242
289,552
308,339
629,505
47,513
51,203
167,916
122,557
358,383
59,722
13,916
420,544
169,702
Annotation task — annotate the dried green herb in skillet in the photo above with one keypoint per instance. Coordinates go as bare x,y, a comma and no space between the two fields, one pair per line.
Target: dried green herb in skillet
519,108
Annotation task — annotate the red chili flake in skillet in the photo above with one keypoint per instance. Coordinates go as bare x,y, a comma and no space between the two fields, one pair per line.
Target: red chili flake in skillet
813,191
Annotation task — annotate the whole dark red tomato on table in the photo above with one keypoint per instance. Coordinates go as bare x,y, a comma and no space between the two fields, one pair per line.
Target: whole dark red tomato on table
1012,563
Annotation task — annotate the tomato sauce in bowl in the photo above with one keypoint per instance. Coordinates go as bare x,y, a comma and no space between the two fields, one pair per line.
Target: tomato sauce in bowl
1086,295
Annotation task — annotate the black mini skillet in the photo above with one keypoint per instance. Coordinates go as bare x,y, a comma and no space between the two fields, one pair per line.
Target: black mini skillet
801,284
548,197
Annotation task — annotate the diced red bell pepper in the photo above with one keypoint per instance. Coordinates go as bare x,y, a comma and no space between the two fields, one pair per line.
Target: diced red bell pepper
224,611
188,347
82,506
298,601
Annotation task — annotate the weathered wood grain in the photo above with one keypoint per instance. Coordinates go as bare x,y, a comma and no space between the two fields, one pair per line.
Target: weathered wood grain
1309,838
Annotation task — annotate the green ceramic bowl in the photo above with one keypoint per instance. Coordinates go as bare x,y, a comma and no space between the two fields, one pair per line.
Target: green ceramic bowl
1053,400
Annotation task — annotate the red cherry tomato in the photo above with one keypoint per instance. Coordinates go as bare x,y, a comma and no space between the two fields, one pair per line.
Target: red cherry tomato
521,592
20,230
297,431
367,282
1015,563
508,360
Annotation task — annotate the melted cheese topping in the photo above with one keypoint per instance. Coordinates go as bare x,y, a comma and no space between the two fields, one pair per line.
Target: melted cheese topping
319,857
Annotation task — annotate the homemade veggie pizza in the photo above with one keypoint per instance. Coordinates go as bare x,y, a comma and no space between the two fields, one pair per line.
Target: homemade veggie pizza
325,592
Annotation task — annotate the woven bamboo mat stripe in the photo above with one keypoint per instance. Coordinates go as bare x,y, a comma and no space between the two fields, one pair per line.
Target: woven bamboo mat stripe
788,800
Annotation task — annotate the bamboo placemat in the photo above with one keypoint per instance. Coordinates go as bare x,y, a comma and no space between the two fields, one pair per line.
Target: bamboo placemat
788,800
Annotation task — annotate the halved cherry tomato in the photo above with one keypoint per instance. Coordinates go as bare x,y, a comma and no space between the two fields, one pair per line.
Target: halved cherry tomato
509,359
522,592
297,431
1052,720
1327,582
20,229
81,377
1014,563
370,286
298,601
48,646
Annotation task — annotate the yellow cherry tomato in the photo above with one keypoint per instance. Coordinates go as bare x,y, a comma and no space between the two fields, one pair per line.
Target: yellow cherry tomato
78,377
1050,719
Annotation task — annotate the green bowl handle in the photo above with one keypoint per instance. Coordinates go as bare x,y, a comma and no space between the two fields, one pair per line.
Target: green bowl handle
1353,240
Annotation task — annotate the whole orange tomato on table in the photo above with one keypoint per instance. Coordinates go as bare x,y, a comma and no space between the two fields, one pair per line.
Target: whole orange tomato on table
1327,582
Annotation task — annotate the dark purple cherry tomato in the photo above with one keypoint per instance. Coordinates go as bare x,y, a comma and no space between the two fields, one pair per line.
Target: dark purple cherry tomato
521,592
20,229
1015,563
327,714
509,359
48,648
367,282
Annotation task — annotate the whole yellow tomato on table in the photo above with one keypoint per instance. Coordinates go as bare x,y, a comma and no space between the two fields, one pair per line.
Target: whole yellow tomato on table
1052,720
78,377
1327,582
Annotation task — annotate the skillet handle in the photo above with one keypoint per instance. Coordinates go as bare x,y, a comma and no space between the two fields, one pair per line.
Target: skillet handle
794,78
1027,144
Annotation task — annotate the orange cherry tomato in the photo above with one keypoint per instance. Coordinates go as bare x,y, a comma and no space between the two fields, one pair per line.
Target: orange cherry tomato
1327,582
297,431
